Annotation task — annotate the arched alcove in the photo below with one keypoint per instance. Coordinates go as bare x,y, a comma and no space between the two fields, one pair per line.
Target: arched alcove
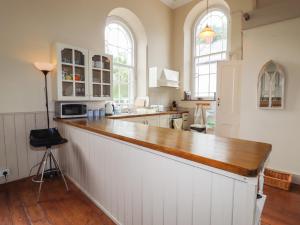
139,34
191,18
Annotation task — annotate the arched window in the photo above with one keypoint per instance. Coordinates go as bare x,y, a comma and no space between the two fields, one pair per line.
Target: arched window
119,43
206,55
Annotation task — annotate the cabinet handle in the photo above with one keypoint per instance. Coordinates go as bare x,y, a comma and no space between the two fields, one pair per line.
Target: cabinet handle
219,101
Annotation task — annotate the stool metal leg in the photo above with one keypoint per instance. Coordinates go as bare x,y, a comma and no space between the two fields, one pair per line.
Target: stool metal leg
42,170
38,164
39,169
57,166
42,175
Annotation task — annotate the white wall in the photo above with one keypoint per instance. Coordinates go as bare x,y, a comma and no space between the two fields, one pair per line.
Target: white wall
264,3
272,11
279,42
29,28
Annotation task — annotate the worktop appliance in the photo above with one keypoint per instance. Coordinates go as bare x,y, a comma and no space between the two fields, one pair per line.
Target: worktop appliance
66,110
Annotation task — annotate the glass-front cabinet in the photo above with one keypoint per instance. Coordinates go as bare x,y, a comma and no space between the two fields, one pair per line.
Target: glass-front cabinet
72,70
100,71
82,74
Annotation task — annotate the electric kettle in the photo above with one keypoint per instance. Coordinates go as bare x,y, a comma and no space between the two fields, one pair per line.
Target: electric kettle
109,109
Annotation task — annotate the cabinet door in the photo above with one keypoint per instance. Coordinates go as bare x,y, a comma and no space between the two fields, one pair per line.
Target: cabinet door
152,121
100,71
146,120
135,120
72,73
164,121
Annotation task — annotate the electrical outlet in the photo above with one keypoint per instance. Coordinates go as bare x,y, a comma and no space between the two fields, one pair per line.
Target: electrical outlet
3,172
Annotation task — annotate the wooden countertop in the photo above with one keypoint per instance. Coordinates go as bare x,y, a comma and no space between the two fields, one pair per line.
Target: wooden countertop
124,116
241,157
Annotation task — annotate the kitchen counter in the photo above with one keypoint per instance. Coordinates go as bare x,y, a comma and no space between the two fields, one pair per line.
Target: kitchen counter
241,157
131,115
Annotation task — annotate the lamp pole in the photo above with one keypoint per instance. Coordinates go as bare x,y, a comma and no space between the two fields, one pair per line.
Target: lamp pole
45,72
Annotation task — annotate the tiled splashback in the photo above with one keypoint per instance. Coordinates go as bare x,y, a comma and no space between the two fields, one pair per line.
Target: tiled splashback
96,105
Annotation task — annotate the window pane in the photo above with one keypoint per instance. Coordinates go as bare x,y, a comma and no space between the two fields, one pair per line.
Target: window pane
116,76
213,83
224,44
205,66
213,68
124,91
224,56
203,69
204,49
120,57
204,84
119,43
124,75
216,46
121,74
116,94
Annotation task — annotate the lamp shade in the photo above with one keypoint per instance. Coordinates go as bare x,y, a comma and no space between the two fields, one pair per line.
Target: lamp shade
207,34
44,66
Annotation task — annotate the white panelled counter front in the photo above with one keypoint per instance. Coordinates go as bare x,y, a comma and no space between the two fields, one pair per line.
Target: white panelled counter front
143,175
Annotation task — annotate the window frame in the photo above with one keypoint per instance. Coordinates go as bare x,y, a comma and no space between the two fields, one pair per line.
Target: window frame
198,20
133,82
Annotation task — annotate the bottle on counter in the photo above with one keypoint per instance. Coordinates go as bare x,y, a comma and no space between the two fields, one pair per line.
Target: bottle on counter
96,114
90,114
174,106
102,113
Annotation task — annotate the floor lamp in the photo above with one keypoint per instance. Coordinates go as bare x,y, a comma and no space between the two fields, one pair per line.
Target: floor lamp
46,138
45,68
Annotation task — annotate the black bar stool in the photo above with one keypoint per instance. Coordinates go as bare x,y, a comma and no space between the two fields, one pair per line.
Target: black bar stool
46,138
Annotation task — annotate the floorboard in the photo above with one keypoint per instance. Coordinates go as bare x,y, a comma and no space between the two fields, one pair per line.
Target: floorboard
18,206
282,207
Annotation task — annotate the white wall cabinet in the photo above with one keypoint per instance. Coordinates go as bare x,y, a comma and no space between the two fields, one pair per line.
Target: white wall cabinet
82,74
153,121
147,120
164,121
135,120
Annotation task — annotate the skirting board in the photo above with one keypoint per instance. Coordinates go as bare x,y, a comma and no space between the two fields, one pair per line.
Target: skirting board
93,200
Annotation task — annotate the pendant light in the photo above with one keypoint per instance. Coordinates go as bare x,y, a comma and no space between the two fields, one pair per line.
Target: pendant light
207,34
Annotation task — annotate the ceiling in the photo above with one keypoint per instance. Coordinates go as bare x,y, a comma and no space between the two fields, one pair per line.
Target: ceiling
175,3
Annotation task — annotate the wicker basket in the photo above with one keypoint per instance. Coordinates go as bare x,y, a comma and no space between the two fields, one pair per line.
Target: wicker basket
278,179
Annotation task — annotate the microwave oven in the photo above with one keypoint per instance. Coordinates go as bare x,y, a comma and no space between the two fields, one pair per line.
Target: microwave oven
65,110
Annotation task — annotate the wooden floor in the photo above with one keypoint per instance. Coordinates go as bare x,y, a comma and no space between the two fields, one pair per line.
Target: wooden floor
18,206
282,207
